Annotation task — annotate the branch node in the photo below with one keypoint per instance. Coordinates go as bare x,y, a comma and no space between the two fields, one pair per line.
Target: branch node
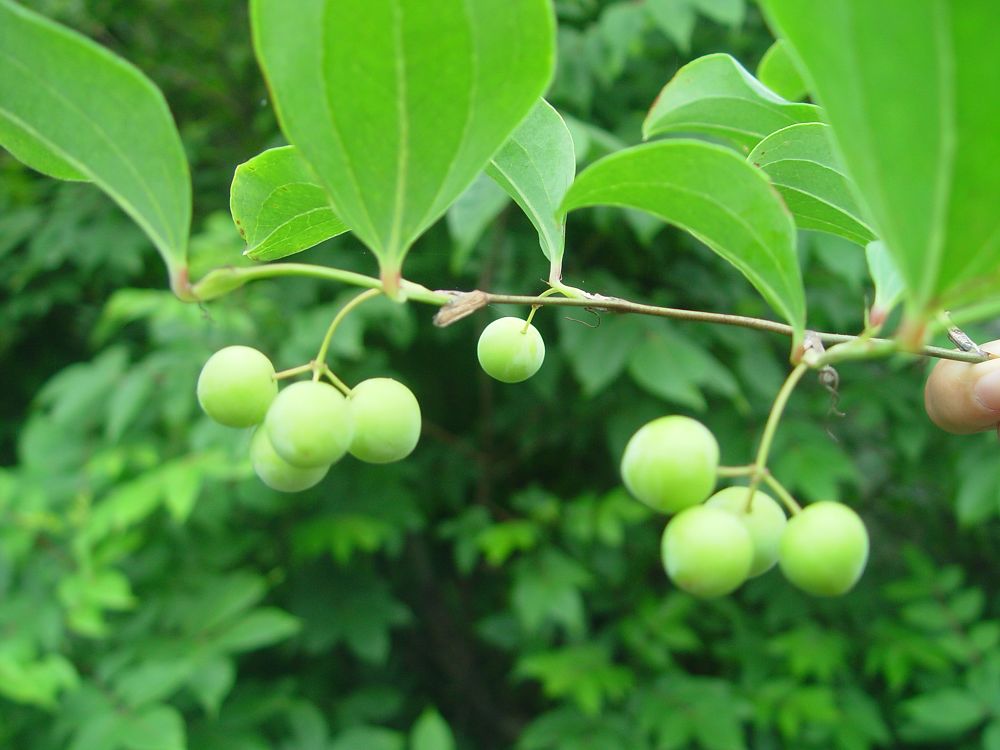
461,305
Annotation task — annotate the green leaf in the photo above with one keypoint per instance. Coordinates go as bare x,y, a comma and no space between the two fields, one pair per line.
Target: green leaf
726,12
368,738
915,118
278,206
887,279
470,215
715,195
536,167
675,18
259,628
715,96
431,732
399,104
74,110
158,728
946,712
803,167
777,70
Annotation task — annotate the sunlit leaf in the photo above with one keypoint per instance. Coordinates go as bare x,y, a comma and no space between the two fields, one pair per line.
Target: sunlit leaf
777,71
279,207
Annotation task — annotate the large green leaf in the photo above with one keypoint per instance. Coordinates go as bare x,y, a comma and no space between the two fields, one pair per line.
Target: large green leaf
399,104
73,110
714,95
912,91
716,196
536,167
278,206
802,165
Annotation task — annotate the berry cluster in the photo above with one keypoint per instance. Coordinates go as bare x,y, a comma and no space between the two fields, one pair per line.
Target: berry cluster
716,542
308,426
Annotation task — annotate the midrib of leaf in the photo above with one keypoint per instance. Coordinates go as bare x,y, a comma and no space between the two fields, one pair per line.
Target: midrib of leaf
102,135
403,133
817,198
335,131
818,165
946,155
724,209
282,225
266,198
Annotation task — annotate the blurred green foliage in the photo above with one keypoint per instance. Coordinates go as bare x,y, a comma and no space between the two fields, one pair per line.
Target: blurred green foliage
499,588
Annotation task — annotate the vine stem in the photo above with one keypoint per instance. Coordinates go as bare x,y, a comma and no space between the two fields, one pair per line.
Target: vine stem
735,471
319,364
458,304
293,371
771,427
340,384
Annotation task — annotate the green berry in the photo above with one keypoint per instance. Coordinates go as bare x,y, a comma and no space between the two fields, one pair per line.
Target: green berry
670,463
824,549
310,424
765,523
706,551
386,419
276,472
510,350
236,386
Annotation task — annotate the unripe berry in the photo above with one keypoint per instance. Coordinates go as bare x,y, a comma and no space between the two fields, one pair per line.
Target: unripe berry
276,472
510,350
236,386
765,523
670,463
309,424
386,419
706,551
824,549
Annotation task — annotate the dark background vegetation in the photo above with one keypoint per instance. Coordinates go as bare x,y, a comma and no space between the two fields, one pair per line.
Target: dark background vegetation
154,595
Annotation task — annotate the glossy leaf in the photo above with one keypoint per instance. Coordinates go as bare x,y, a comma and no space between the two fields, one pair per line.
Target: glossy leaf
802,165
399,104
912,91
885,275
72,109
715,195
715,96
777,70
536,167
279,207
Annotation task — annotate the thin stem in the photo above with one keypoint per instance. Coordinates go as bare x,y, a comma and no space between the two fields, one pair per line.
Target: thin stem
784,495
534,308
340,384
320,361
293,371
773,420
736,471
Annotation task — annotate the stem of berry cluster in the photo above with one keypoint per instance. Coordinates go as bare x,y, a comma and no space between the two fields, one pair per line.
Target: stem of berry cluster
770,428
319,364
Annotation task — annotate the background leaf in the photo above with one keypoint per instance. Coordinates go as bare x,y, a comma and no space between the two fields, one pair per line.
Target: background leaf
75,110
911,91
536,167
801,163
777,70
278,206
885,275
716,196
715,96
399,104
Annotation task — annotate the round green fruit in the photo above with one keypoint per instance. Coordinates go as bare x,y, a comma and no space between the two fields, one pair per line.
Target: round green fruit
236,386
510,350
386,419
706,551
276,472
824,549
310,424
670,463
765,523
